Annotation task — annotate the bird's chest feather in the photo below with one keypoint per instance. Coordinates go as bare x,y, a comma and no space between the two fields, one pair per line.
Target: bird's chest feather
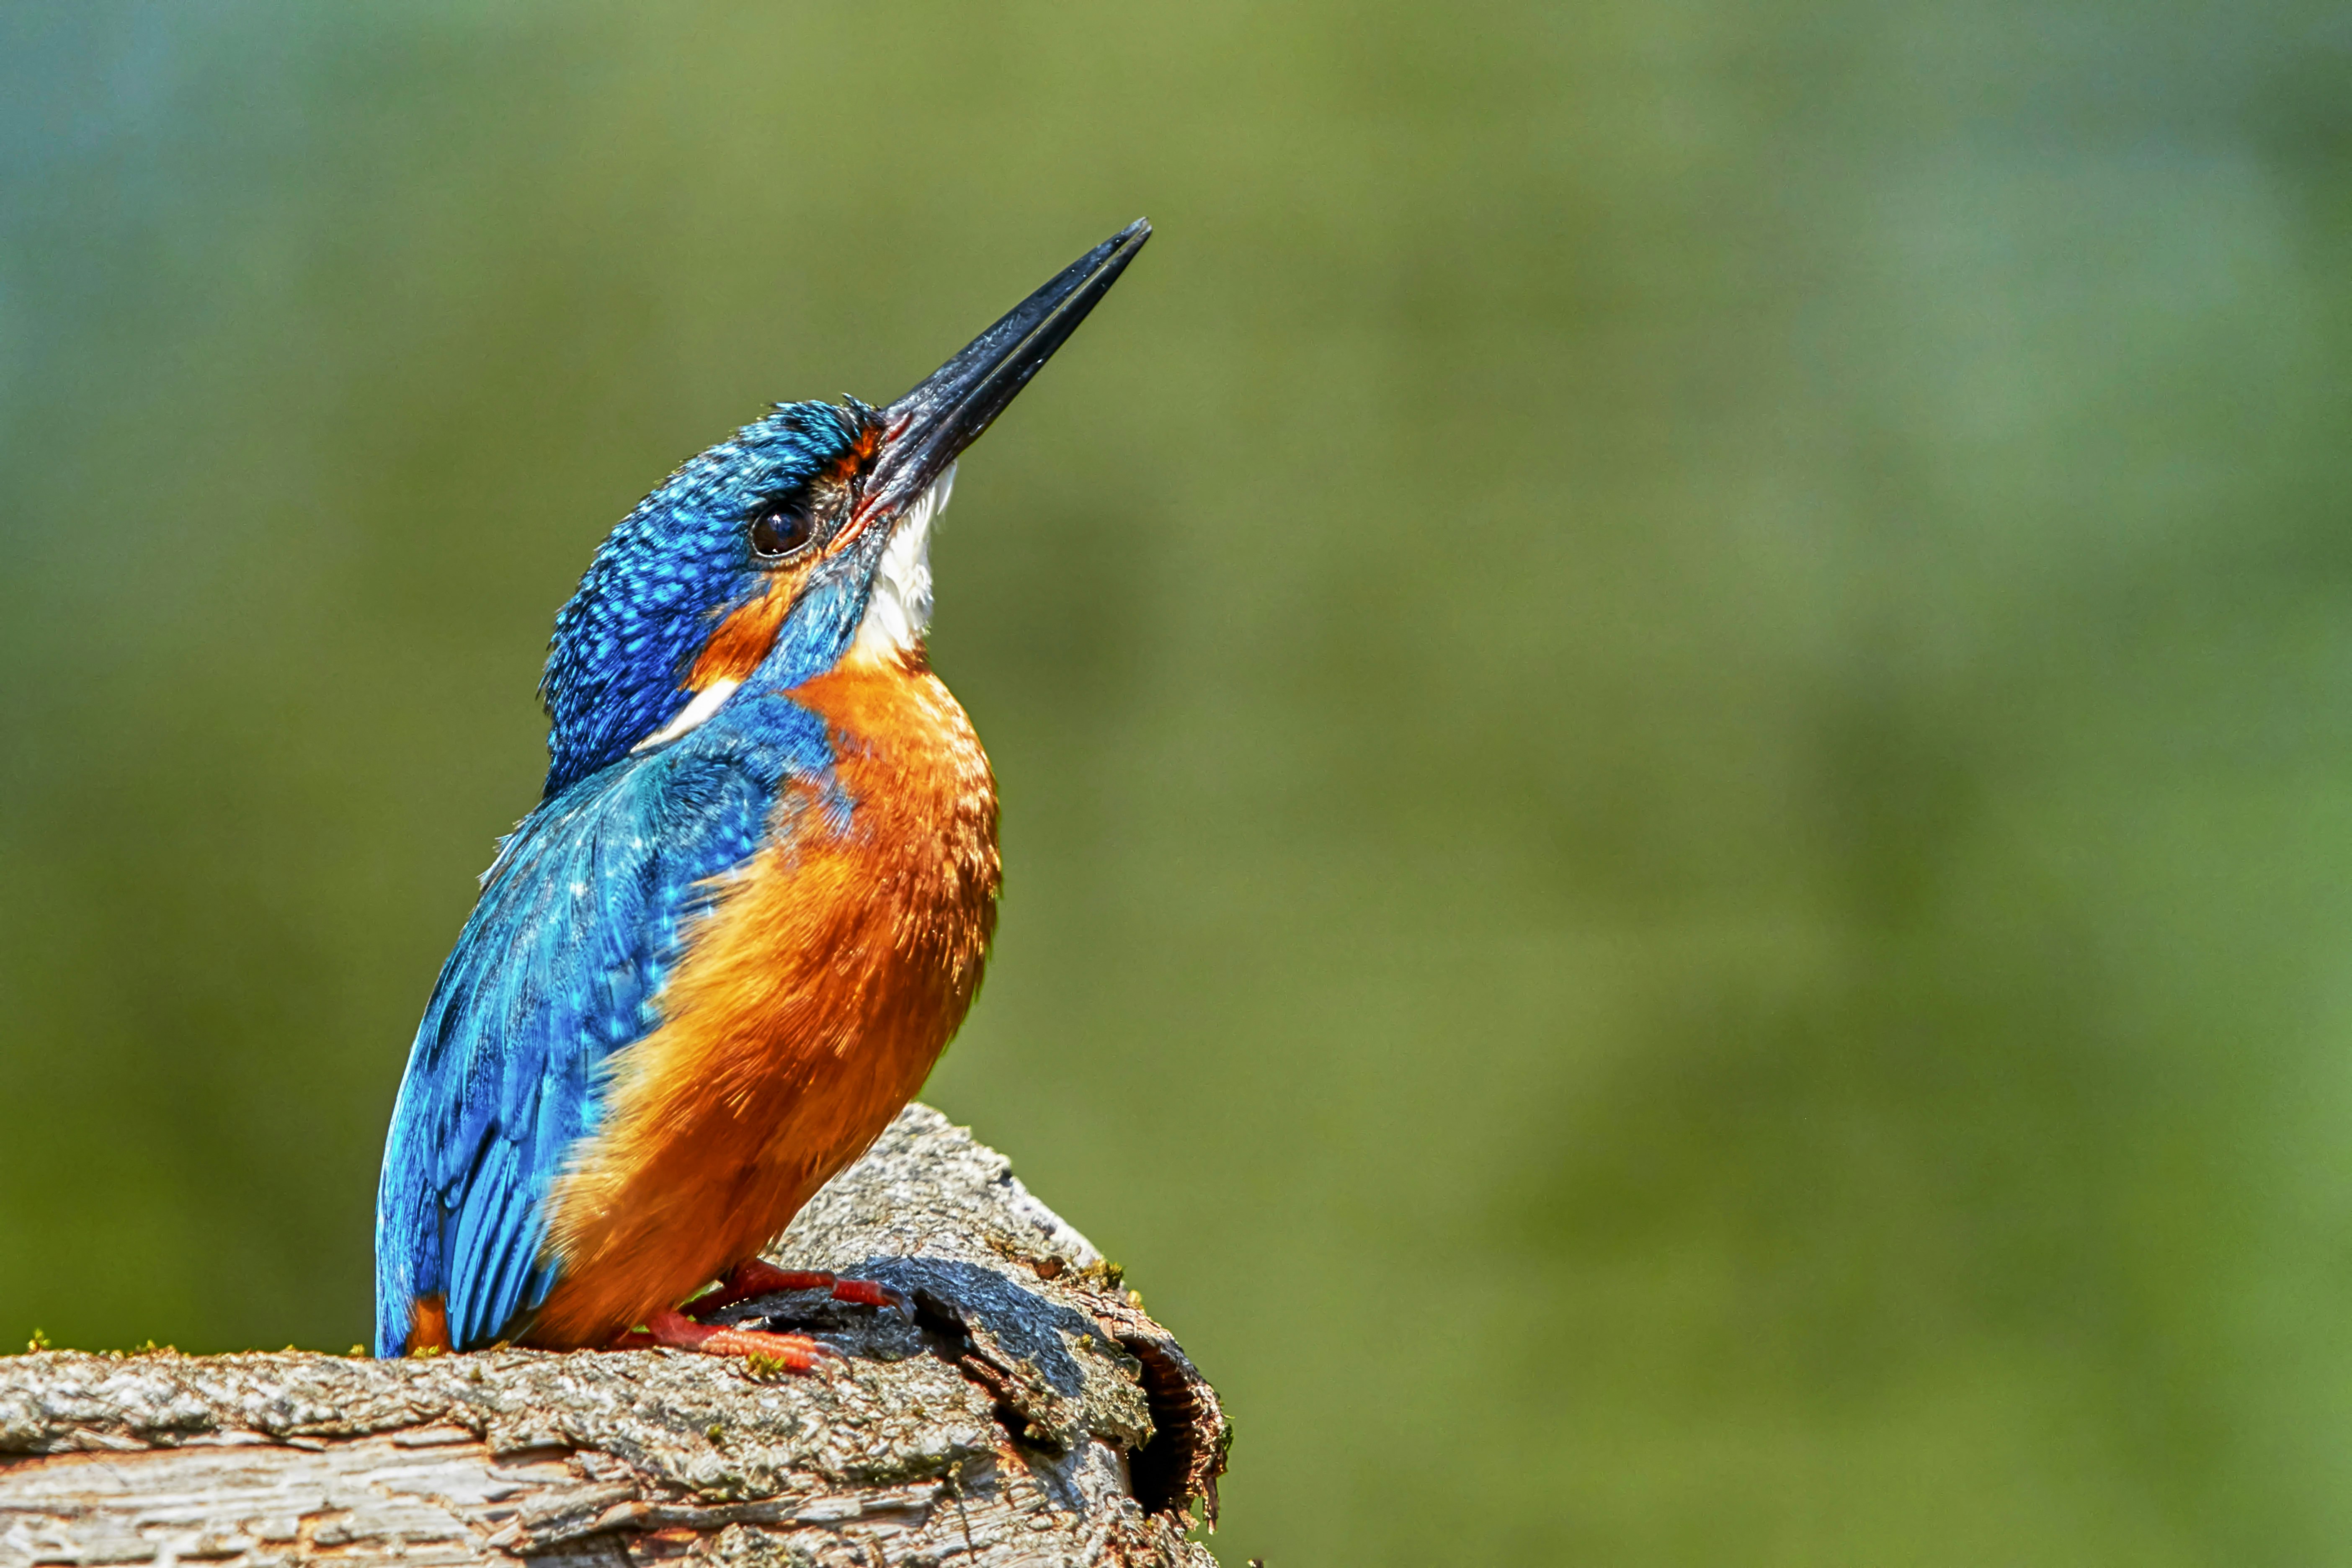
807,1008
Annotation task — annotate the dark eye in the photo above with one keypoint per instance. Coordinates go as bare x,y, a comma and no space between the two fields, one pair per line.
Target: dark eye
781,527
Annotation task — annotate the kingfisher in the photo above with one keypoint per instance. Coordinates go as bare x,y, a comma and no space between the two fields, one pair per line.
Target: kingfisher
750,907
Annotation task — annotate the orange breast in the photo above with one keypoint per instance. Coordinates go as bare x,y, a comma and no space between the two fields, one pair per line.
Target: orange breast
809,1007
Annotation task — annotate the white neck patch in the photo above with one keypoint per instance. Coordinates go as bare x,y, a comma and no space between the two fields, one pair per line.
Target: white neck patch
899,611
707,701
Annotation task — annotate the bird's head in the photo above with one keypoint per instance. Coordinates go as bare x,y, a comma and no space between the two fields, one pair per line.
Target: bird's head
800,541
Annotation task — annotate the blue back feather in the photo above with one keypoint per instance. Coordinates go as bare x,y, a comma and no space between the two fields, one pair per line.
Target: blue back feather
582,919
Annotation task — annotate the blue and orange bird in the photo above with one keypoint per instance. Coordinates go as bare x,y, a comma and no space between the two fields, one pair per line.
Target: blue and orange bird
749,908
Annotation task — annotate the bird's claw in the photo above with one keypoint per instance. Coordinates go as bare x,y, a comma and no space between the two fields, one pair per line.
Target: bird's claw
874,1293
758,1277
767,1354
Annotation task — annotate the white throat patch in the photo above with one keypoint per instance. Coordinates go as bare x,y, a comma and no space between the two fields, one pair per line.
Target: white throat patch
899,611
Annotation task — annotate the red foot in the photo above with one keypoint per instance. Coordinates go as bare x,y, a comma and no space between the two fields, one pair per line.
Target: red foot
757,1278
794,1352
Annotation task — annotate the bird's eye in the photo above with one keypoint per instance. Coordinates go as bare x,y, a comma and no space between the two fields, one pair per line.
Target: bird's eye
779,528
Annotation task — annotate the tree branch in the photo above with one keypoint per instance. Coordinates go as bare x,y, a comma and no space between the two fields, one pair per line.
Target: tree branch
1030,1413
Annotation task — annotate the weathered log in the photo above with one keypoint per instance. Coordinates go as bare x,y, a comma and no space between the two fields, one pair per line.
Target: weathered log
1029,1413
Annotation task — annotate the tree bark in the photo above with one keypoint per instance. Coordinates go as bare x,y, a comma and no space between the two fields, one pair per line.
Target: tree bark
1029,1413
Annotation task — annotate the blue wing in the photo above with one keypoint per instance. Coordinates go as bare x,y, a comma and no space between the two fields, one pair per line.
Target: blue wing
560,966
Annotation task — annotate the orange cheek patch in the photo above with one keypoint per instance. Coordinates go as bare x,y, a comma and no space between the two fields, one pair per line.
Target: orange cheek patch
744,637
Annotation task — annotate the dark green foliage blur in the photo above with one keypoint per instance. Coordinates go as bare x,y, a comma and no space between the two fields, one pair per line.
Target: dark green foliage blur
1673,685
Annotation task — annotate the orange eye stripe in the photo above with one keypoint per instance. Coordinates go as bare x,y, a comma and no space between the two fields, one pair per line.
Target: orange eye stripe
852,463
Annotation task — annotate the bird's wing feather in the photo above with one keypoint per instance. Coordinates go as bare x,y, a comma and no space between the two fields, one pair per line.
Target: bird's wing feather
561,964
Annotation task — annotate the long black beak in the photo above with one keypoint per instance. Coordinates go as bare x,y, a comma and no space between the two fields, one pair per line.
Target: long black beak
926,430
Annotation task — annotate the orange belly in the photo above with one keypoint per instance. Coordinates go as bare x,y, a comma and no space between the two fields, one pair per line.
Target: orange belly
807,1010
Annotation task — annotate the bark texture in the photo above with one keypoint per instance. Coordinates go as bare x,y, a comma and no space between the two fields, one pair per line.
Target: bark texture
1029,1413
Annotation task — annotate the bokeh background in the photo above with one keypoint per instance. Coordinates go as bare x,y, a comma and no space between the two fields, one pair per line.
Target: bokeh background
1673,685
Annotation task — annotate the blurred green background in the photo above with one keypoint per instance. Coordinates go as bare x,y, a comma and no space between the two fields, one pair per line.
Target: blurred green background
1673,685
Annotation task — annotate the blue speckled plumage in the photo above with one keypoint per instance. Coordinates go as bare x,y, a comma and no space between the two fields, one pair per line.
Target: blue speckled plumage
623,642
